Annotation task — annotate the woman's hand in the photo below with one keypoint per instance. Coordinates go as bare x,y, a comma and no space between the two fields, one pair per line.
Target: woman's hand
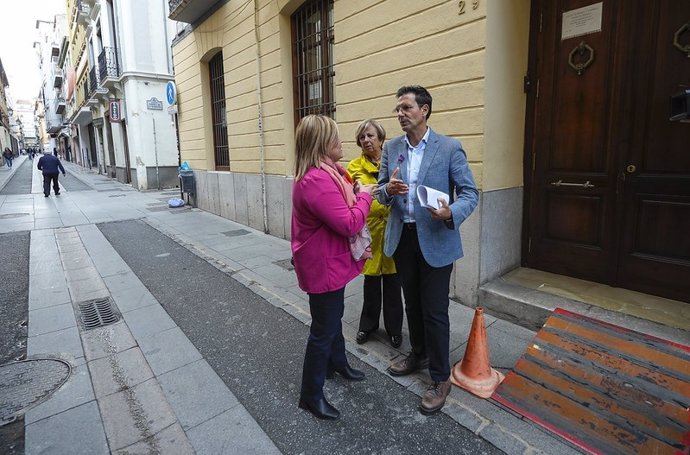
371,190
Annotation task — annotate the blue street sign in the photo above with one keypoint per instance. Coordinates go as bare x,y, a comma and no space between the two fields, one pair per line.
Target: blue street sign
171,93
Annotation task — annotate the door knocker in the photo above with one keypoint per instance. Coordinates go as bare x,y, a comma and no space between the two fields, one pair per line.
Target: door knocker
584,55
676,39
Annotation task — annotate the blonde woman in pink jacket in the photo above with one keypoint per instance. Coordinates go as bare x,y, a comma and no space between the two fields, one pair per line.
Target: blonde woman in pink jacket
328,211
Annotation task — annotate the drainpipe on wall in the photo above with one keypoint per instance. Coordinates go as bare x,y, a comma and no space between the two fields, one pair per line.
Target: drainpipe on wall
262,156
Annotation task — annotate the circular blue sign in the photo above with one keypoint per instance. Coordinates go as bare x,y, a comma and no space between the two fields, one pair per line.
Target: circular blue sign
171,93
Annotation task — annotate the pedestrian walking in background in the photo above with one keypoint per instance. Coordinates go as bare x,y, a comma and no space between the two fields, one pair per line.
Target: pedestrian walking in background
425,242
51,167
327,213
7,154
381,282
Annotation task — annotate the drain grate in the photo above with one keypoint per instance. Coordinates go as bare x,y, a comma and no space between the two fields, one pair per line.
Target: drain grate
117,195
97,313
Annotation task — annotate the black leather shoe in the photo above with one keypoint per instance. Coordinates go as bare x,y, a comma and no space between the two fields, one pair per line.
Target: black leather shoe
320,408
348,373
57,194
396,340
362,337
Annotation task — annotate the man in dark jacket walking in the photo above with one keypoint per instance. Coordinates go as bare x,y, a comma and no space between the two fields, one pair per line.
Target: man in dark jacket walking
51,167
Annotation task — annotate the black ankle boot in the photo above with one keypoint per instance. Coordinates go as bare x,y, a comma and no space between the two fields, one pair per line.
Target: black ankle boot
348,373
320,408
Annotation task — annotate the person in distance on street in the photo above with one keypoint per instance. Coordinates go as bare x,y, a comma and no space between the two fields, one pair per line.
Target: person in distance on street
424,242
51,167
381,282
327,212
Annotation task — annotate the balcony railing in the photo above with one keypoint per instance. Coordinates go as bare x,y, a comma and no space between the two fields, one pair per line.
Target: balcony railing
189,11
93,81
59,107
57,78
107,64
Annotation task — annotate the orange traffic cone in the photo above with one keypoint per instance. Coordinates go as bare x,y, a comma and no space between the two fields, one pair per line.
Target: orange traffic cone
474,373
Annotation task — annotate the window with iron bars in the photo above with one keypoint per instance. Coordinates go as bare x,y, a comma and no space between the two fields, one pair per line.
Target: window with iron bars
220,124
312,55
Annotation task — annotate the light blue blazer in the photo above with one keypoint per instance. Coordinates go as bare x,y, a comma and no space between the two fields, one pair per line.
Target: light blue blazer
444,167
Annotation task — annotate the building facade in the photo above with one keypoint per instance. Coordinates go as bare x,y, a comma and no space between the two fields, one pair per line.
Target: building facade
115,84
544,122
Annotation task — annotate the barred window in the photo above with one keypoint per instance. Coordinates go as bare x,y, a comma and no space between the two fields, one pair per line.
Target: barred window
312,37
220,124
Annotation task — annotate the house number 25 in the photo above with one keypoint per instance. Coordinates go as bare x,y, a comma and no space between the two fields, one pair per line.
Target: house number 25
461,6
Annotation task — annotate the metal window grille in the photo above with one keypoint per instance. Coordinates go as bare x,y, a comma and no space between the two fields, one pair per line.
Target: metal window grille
220,125
313,38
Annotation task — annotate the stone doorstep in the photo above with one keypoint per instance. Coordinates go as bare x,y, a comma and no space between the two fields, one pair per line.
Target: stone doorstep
530,308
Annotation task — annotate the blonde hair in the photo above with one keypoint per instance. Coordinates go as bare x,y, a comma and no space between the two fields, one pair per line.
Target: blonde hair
380,132
315,135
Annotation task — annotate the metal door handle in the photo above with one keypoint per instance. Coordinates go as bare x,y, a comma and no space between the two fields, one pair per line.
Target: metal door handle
583,185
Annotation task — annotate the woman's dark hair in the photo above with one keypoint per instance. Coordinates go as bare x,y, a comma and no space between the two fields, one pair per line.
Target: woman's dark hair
421,96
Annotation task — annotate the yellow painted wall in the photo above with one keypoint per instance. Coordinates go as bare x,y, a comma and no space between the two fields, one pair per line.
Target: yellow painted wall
380,45
506,65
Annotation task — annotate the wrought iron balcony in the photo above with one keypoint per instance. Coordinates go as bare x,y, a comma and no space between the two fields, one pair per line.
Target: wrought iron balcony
93,81
83,10
57,78
189,11
107,65
59,107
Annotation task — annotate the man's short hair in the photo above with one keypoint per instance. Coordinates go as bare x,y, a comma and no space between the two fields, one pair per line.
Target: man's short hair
421,96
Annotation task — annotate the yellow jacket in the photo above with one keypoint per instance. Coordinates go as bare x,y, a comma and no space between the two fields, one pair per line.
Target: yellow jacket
367,173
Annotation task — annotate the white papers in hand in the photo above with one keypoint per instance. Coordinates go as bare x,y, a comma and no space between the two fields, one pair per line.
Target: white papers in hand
428,197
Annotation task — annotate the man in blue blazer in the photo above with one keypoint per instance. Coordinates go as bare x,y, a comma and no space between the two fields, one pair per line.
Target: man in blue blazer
425,242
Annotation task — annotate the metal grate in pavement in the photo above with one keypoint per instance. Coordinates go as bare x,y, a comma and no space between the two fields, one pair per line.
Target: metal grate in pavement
97,313
7,216
117,195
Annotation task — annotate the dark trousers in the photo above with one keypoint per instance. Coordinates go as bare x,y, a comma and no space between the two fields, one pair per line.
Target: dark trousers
392,304
47,178
426,304
326,345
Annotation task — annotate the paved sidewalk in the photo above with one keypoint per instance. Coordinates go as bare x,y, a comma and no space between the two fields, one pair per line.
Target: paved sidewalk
133,367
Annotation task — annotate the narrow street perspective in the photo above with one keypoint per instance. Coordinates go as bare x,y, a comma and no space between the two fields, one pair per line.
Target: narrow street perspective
317,227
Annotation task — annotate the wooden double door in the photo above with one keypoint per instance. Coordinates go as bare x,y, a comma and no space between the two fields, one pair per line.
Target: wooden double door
607,173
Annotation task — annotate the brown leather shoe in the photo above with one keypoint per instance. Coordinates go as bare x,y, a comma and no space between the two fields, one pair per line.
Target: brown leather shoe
408,365
435,397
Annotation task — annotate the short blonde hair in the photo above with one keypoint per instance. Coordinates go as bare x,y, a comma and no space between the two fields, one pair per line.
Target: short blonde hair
315,135
380,132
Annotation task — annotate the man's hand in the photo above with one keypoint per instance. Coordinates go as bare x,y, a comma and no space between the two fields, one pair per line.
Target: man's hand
395,186
442,213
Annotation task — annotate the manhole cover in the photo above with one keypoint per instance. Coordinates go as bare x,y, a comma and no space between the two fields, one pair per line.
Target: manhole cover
27,383
97,313
7,216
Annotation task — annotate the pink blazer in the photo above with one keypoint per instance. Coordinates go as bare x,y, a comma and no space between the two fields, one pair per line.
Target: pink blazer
322,224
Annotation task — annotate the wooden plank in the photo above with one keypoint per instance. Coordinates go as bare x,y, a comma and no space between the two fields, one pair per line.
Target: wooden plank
616,385
637,348
617,363
612,410
596,431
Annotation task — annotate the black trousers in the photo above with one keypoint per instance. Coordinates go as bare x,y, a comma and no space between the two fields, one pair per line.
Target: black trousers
375,287
326,345
426,304
47,178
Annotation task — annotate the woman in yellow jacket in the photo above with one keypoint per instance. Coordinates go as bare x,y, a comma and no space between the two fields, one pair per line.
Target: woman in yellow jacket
380,277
